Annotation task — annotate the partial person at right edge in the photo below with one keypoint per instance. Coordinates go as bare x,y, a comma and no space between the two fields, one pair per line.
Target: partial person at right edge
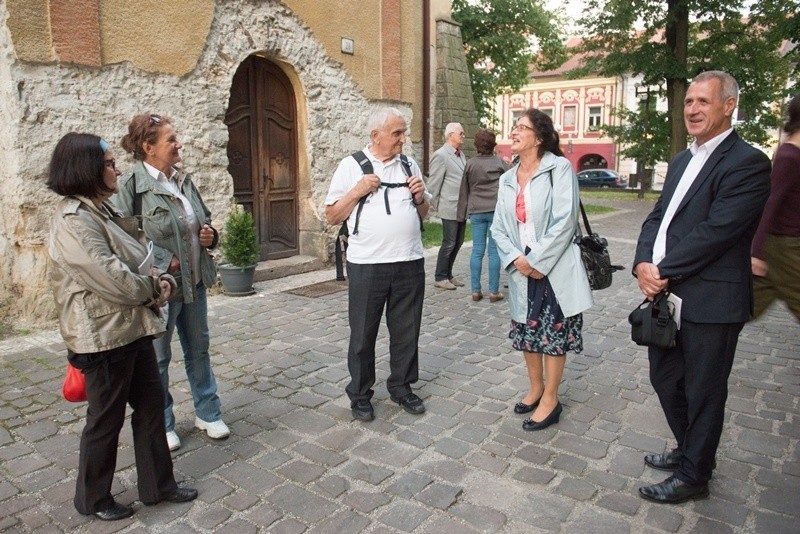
444,184
477,199
178,222
696,244
385,261
776,245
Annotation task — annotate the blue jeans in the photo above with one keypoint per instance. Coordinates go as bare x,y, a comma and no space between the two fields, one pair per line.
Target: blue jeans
192,322
481,222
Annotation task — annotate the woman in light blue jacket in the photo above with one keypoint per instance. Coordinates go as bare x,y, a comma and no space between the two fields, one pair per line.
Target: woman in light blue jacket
535,222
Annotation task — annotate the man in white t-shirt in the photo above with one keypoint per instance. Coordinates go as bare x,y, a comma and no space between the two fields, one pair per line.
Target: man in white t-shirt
385,261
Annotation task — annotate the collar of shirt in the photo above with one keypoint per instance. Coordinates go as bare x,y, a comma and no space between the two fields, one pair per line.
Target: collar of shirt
711,144
159,175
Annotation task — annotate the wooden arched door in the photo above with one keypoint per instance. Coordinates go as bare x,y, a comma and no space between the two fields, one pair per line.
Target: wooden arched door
262,153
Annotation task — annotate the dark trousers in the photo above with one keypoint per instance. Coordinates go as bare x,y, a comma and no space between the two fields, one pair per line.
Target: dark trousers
452,239
691,381
130,376
400,287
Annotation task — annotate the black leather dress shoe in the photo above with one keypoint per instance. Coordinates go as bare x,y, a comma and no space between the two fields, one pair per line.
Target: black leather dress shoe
116,512
673,491
530,424
665,462
521,407
362,410
669,461
179,495
410,403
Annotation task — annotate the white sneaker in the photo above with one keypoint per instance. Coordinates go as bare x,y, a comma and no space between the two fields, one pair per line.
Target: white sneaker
215,430
173,441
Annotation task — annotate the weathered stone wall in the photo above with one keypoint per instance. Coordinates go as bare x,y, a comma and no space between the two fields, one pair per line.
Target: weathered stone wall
43,102
453,89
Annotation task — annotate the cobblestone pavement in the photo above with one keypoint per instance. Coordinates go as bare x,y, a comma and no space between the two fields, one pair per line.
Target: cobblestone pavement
297,462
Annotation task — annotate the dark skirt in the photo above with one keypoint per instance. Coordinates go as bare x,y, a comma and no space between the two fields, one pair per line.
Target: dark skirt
547,330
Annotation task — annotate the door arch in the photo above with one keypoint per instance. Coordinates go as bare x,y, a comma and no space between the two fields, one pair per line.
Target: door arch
592,161
262,153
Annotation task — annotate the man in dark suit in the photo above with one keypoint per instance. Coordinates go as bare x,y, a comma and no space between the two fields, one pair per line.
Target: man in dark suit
696,244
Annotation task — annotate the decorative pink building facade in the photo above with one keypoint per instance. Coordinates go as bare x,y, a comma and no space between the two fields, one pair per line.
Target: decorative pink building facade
578,108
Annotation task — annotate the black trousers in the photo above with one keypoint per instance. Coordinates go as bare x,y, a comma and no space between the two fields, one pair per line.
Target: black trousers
691,381
400,287
452,239
128,375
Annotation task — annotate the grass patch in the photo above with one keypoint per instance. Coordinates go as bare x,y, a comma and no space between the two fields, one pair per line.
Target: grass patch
432,236
591,209
610,194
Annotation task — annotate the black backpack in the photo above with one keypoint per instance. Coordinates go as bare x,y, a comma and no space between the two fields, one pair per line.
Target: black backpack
344,232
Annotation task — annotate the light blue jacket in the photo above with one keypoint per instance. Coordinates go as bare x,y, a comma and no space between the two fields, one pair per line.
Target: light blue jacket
555,210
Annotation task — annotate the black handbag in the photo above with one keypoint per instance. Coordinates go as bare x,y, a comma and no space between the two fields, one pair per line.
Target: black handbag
653,323
594,255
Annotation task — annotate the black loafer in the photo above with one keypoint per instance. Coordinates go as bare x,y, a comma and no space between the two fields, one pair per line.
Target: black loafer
530,424
179,495
362,410
116,512
521,407
669,461
665,462
410,403
673,491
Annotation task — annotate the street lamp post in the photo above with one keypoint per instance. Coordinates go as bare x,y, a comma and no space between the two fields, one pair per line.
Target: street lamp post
645,176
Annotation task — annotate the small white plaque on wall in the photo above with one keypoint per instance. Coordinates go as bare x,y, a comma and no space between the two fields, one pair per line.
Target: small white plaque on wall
348,47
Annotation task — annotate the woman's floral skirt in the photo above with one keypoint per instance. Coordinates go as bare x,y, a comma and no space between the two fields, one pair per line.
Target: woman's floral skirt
546,330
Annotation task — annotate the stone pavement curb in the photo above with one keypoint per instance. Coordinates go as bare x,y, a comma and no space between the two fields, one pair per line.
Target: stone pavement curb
296,462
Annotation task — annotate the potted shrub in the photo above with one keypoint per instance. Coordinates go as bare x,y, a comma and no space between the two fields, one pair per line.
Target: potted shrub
240,251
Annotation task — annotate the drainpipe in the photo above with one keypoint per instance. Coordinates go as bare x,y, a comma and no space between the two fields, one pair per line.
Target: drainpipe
426,83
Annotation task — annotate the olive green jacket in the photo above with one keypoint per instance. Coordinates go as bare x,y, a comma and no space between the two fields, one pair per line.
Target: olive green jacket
164,222
102,301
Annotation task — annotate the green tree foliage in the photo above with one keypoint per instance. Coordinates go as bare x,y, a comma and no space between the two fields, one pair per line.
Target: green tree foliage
499,38
681,38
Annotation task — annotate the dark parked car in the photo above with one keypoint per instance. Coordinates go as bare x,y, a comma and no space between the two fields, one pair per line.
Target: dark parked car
601,178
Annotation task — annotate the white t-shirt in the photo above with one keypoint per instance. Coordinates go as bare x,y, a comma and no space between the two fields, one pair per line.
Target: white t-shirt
382,237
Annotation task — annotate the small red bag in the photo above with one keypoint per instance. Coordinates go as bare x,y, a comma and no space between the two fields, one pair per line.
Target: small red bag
74,388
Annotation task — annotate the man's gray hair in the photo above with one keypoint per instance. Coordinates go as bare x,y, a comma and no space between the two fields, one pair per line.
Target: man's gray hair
450,128
379,118
728,86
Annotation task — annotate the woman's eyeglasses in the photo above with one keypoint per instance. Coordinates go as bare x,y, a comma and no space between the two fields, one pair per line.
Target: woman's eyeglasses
519,126
155,120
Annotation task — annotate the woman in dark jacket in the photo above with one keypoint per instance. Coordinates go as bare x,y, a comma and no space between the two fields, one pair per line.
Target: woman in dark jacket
108,300
477,198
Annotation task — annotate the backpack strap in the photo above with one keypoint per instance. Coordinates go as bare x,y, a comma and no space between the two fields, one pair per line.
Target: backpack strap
406,164
137,203
366,168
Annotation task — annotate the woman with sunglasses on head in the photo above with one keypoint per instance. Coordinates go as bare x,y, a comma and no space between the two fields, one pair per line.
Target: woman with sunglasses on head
535,222
178,222
109,311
